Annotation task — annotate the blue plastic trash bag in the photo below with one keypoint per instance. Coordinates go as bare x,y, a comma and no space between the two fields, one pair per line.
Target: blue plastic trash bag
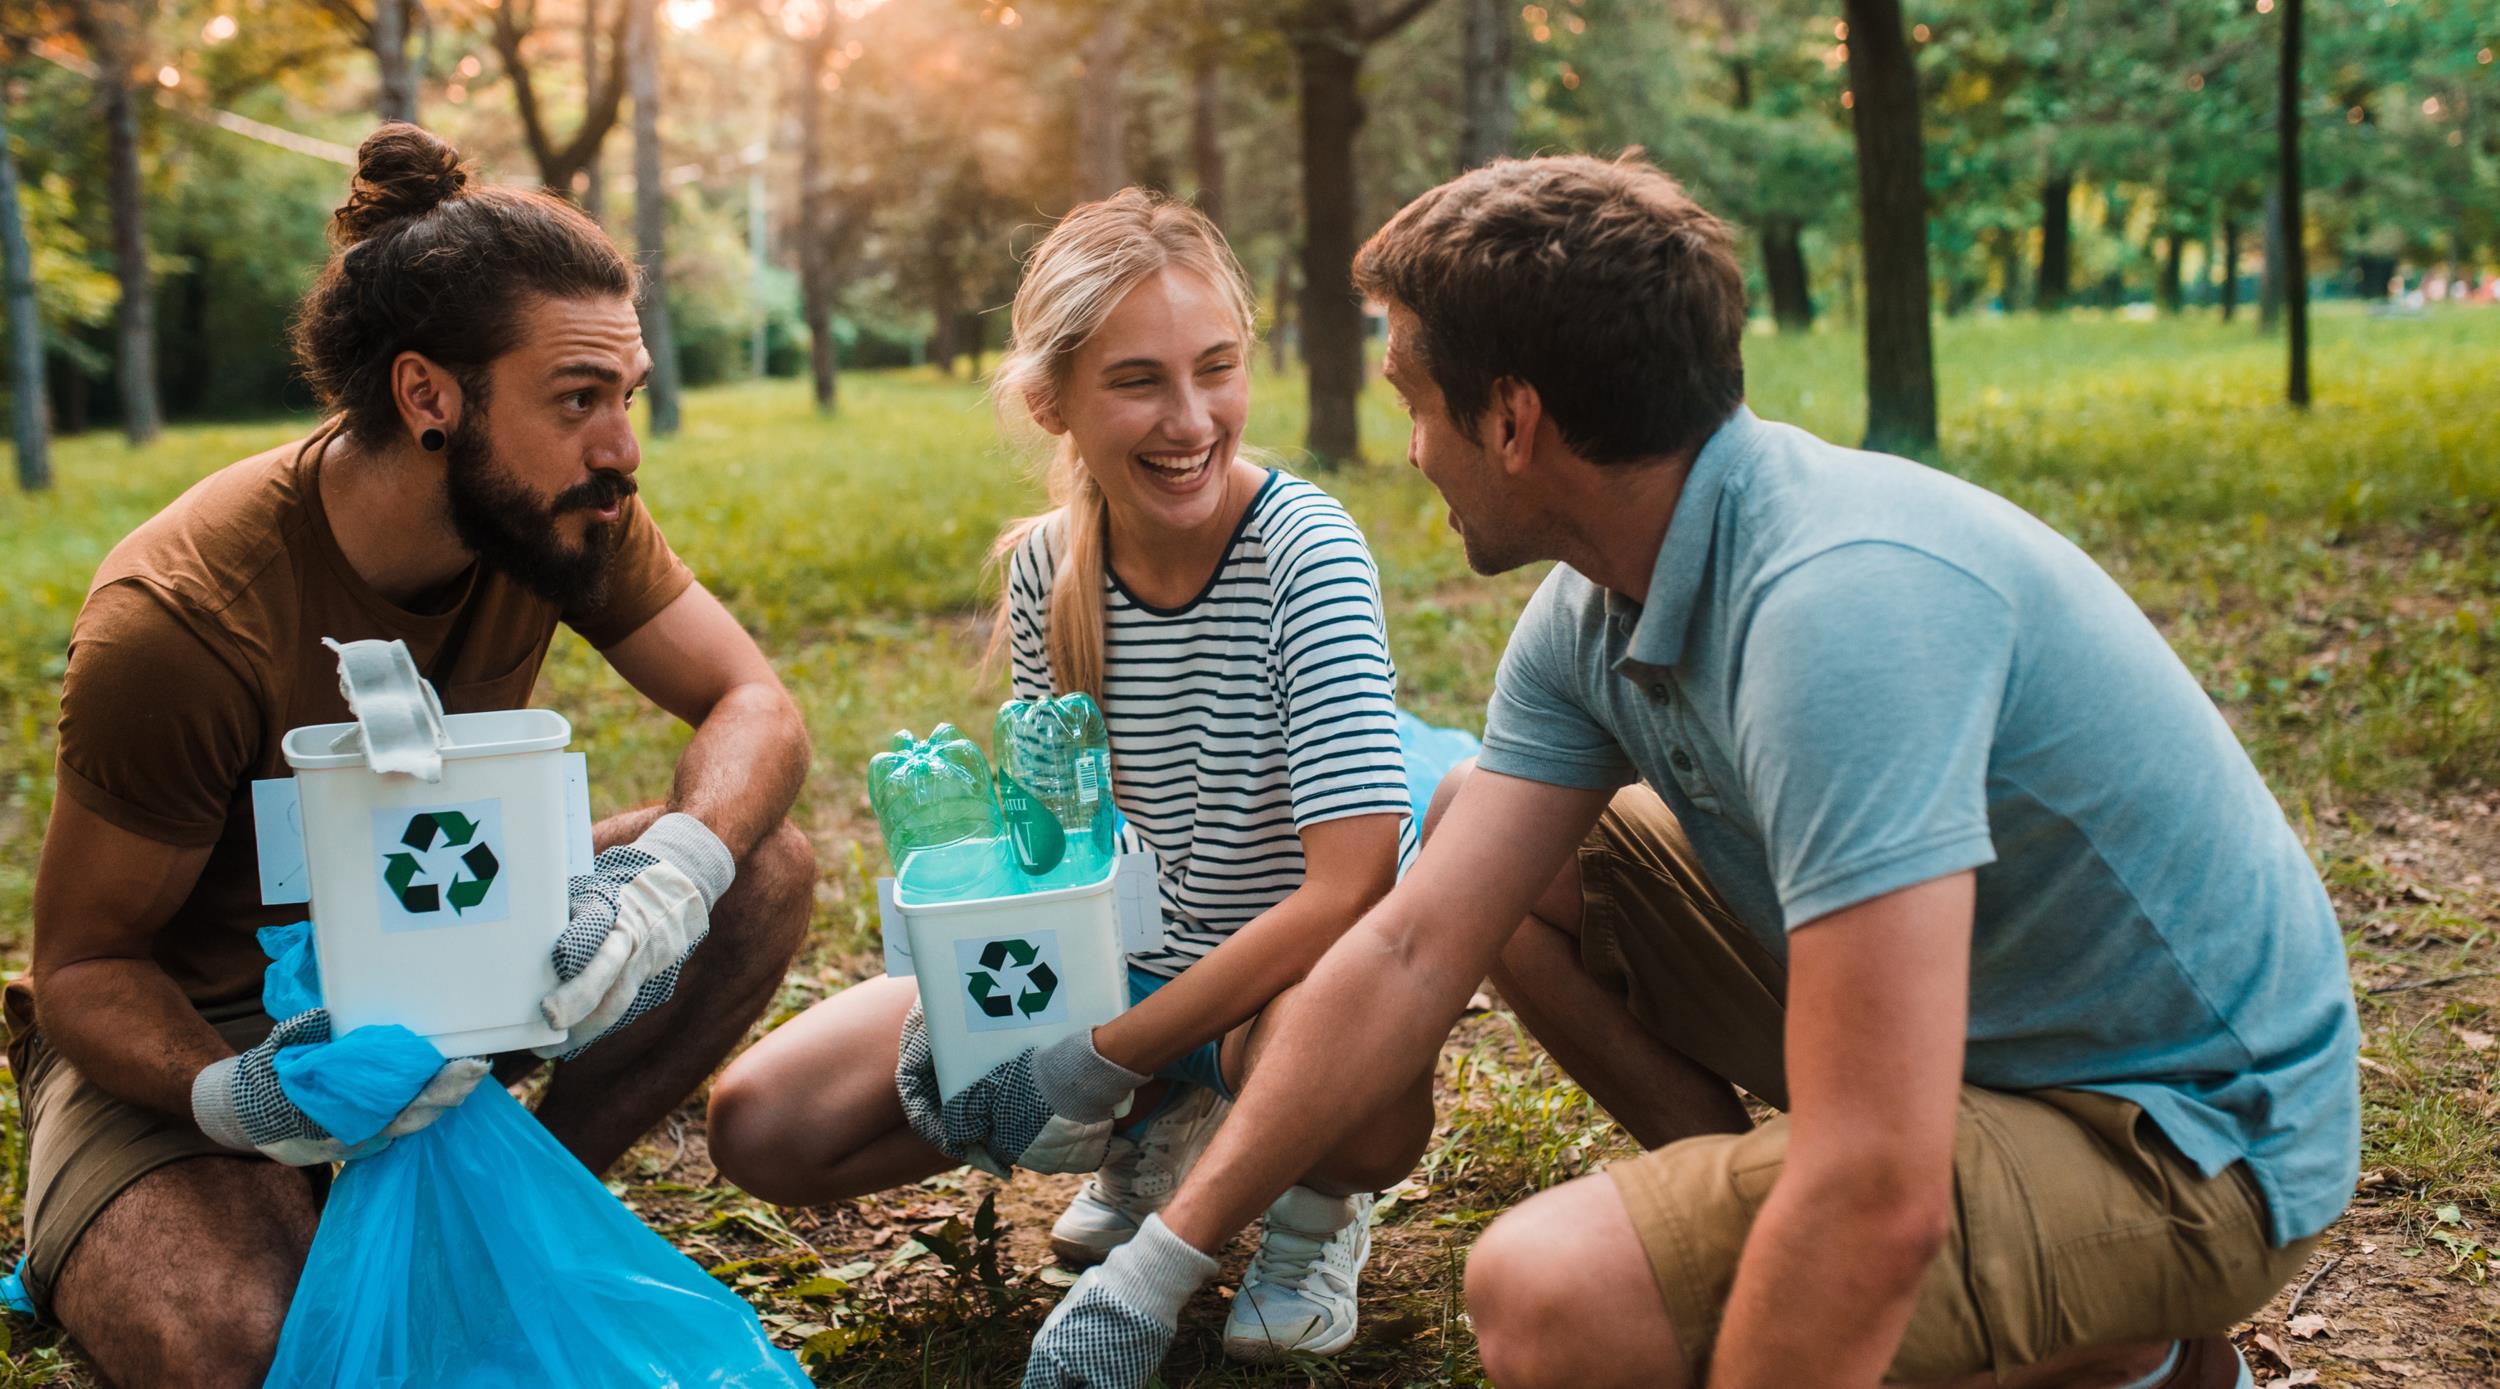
477,1254
1430,753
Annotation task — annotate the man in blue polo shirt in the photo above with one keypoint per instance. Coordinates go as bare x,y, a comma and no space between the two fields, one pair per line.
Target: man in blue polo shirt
1824,775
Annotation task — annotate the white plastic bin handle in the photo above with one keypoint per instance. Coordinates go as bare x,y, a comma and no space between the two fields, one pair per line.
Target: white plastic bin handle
398,719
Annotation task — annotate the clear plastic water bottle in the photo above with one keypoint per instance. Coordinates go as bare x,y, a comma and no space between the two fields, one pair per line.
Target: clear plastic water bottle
934,801
1056,754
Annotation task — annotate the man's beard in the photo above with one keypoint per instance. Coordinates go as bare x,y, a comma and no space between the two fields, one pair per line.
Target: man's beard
515,534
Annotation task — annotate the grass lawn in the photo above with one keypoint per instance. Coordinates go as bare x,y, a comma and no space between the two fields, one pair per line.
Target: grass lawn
2333,578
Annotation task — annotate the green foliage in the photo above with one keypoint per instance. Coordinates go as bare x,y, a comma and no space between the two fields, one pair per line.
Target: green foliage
1517,1125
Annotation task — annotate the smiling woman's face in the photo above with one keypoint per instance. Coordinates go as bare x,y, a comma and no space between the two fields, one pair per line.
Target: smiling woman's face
1155,401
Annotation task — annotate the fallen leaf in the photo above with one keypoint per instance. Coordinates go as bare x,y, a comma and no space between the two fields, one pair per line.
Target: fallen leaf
2272,1348
2297,1377
2400,1369
2474,1041
2307,1326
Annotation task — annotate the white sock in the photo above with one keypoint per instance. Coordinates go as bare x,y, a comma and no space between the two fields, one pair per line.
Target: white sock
2168,1364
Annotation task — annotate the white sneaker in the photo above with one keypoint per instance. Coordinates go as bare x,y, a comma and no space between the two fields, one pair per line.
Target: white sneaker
1138,1175
1298,1296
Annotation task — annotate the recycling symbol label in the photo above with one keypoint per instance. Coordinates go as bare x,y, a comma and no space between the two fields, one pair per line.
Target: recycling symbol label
441,866
1011,981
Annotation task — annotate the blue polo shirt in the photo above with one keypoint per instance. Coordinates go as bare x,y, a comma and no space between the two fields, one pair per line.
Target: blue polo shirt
1853,674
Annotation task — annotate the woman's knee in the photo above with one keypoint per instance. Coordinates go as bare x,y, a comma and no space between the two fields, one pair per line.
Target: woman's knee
744,1126
811,1093
1384,1152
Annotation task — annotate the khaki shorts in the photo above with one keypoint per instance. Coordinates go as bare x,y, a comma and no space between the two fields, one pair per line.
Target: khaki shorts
2075,1223
85,1147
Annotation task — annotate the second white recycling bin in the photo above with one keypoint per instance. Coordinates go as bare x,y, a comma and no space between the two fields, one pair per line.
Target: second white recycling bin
436,850
999,974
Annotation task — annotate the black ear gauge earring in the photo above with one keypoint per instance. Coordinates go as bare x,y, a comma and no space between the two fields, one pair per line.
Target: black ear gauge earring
431,441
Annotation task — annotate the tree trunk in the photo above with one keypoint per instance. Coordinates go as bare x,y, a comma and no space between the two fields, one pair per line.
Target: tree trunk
815,294
1892,202
73,400
135,346
2270,276
1329,54
397,100
2287,176
2230,265
1206,135
1486,122
651,214
2009,268
946,305
2167,290
2056,279
563,167
26,389
1101,130
595,172
1784,269
1282,330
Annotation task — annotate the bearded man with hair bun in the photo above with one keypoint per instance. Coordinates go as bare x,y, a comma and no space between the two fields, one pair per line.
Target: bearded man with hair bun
476,351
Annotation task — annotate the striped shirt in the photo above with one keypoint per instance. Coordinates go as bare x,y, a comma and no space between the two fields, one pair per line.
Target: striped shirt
1265,705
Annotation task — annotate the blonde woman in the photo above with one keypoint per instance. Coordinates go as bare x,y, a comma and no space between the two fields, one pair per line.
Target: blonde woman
1227,617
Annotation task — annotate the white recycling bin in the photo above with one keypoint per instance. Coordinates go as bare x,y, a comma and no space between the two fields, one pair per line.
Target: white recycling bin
999,974
437,854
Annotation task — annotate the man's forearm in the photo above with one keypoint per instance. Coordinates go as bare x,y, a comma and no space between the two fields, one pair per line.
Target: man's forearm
1370,1017
744,766
126,1025
1855,1257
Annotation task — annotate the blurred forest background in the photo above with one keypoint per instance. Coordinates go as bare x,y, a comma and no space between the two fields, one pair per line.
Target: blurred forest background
838,184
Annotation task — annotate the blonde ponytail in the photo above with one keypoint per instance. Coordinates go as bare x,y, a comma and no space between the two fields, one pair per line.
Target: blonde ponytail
1072,637
1072,282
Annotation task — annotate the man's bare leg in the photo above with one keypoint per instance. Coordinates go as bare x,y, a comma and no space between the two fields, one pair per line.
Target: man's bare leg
183,1281
1655,1092
602,1103
1375,1156
1561,1295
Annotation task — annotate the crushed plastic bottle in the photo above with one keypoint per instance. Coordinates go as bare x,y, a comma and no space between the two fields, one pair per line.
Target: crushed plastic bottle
1054,782
942,829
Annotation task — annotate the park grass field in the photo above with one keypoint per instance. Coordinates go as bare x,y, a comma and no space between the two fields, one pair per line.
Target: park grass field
2333,579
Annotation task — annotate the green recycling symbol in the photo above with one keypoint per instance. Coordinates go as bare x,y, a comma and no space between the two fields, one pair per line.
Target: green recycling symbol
1001,1001
428,830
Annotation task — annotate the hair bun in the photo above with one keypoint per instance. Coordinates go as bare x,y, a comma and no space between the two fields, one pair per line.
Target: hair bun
402,171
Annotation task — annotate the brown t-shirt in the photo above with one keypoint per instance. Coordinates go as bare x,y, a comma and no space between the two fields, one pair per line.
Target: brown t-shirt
200,645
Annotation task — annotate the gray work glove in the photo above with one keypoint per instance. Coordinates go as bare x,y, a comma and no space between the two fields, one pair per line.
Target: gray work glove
238,1102
1046,1109
636,916
1115,1326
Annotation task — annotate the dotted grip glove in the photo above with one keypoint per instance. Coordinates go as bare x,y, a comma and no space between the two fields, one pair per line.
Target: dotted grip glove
636,916
1115,1326
238,1102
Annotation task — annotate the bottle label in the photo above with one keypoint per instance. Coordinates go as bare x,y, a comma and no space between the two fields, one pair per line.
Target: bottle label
1088,780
